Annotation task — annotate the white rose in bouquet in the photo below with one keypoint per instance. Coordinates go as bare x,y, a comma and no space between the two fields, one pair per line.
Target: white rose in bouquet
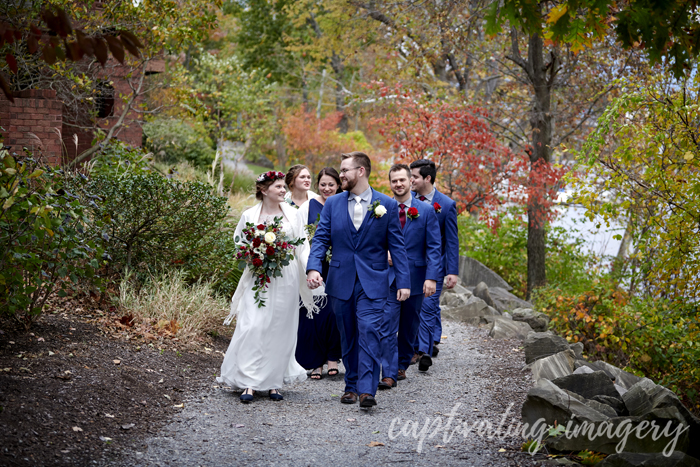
270,237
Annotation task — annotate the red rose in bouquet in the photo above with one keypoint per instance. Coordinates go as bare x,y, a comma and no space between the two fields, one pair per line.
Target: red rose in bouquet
257,262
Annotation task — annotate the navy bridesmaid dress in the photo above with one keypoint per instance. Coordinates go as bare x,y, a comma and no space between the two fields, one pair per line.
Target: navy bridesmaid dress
318,339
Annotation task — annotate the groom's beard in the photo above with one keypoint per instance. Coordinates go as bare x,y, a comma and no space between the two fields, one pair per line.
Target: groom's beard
348,184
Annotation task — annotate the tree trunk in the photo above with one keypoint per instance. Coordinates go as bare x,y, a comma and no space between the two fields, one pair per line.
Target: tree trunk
338,67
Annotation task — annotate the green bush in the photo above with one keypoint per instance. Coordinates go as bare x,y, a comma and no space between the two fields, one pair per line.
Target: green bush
172,141
154,221
119,159
215,261
44,245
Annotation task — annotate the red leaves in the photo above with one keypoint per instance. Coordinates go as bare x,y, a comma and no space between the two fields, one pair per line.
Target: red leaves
11,62
115,46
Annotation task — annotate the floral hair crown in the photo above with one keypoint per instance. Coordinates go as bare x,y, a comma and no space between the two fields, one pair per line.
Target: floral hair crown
270,176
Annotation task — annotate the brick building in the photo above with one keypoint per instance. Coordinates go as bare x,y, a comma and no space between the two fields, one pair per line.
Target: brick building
37,119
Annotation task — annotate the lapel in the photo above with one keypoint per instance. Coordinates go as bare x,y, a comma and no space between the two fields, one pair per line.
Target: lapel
345,218
367,221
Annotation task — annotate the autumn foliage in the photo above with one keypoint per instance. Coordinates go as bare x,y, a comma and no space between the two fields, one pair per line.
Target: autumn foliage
474,167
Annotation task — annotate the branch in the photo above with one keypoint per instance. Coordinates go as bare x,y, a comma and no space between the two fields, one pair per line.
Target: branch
116,126
515,56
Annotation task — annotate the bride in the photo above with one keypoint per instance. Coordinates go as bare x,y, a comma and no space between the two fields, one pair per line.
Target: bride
261,354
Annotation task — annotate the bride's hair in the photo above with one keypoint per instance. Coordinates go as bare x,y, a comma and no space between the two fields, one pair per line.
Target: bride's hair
264,181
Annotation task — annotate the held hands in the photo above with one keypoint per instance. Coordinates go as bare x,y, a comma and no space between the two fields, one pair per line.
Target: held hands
450,281
403,294
314,279
429,287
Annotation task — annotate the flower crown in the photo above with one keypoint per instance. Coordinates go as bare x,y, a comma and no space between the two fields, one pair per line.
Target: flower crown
270,176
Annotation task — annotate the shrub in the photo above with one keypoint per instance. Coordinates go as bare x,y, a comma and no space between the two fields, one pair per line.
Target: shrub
174,140
44,246
118,159
166,300
152,220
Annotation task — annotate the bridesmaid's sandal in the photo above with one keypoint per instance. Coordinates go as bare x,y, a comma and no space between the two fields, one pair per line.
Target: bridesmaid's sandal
247,396
317,373
275,395
332,371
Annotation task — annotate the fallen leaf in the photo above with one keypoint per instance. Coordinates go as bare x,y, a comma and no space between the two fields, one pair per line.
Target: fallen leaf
51,353
438,446
240,426
105,439
351,419
501,450
116,362
334,395
77,428
443,337
109,415
375,432
179,406
161,380
41,339
411,400
375,443
166,396
128,427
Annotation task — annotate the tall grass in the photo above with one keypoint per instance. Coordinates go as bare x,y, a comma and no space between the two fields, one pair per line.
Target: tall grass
166,301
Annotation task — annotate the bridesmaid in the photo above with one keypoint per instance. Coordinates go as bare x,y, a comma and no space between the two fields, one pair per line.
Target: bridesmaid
318,339
298,182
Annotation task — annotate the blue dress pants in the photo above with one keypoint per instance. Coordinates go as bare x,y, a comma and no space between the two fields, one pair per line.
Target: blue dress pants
398,332
430,329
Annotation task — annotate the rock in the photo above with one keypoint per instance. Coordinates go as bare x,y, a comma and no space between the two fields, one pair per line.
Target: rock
482,291
629,434
552,367
552,404
507,315
615,402
543,344
588,385
454,300
470,311
472,272
582,370
537,321
457,289
621,377
505,301
504,328
636,459
578,350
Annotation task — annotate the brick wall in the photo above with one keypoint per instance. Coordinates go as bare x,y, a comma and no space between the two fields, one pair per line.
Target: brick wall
32,121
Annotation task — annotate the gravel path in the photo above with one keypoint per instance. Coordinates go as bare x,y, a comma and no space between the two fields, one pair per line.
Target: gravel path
476,378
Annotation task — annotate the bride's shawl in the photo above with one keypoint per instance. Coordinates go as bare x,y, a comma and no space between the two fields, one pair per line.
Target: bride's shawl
312,300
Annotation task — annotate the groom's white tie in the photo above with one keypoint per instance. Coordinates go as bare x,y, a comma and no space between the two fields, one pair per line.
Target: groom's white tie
357,216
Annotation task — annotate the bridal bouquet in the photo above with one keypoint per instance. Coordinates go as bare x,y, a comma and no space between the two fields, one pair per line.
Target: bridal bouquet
265,249
311,231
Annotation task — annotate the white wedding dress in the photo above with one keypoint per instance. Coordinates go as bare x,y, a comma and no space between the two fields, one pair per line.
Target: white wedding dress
261,353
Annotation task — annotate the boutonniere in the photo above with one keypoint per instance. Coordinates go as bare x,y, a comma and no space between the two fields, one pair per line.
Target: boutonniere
412,213
437,207
377,209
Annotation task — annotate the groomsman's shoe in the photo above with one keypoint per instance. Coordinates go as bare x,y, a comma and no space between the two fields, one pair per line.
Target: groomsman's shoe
402,375
386,383
415,358
349,398
436,351
425,362
367,400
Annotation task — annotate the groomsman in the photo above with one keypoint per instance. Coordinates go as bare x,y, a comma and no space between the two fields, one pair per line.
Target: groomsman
362,225
421,233
422,180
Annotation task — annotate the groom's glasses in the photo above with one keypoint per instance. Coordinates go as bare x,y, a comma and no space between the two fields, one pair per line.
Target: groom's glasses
344,171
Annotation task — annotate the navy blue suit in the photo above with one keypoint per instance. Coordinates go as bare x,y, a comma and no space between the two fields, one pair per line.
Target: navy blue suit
358,281
423,248
430,325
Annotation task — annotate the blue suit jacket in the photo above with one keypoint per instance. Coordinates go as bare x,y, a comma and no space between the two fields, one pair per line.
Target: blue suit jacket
423,246
364,256
447,219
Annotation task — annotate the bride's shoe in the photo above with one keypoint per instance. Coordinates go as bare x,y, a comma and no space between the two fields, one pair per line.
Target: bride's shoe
246,397
275,395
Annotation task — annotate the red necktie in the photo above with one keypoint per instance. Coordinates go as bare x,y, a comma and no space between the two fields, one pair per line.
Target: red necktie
402,214
422,198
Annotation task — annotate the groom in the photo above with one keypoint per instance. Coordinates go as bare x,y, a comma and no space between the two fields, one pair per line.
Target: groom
362,225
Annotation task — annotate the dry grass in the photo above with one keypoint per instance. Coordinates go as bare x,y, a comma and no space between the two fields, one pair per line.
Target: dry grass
172,306
239,202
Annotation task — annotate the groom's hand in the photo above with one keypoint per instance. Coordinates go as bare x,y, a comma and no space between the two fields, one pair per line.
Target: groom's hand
429,287
450,281
313,279
403,294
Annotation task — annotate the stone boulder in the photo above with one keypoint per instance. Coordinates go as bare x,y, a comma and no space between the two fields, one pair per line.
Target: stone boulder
552,367
636,459
482,291
471,272
457,289
552,404
542,344
454,300
621,377
588,385
503,300
504,328
578,350
616,403
470,311
539,322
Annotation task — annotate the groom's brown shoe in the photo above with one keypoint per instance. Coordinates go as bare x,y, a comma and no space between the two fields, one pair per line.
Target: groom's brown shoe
402,375
367,400
387,383
349,398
